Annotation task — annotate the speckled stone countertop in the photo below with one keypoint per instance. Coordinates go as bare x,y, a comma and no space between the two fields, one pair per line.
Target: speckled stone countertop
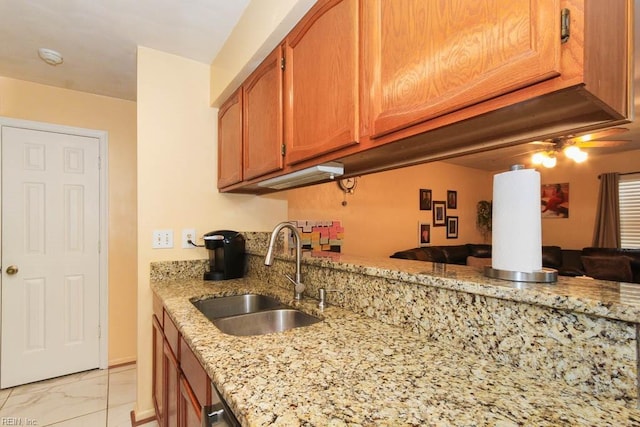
352,369
620,301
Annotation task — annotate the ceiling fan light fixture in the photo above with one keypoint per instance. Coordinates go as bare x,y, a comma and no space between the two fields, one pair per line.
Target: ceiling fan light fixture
538,158
549,162
50,56
580,157
572,152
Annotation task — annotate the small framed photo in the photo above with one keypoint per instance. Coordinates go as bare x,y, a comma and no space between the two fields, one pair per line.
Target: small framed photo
424,234
452,199
439,213
452,227
425,199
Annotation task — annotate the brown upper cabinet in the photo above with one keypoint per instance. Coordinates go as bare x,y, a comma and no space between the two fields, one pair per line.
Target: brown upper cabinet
262,118
382,84
429,58
321,78
230,141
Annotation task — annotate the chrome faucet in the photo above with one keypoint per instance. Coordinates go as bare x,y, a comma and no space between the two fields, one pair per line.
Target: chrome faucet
297,283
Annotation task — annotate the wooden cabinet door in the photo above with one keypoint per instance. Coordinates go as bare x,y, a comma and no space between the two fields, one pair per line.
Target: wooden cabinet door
230,141
157,388
262,121
424,59
321,81
189,408
171,375
195,374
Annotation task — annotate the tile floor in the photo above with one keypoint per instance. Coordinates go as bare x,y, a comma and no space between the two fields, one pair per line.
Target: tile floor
102,398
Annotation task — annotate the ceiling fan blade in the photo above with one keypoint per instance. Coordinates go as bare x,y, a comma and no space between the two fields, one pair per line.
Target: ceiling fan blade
607,143
587,137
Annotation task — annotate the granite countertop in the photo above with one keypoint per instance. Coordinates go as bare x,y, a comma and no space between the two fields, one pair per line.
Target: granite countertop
350,369
614,300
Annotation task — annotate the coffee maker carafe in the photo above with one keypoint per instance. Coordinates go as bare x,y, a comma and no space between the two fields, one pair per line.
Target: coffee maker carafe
226,255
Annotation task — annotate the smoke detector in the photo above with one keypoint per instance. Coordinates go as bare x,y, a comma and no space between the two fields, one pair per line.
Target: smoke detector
50,56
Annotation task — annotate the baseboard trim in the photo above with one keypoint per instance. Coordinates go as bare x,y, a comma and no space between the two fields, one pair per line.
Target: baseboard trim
146,420
118,365
121,361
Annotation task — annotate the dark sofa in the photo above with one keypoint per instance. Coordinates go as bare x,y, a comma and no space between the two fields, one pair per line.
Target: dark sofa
621,265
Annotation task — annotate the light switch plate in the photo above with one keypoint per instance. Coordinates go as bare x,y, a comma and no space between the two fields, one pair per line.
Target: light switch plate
162,239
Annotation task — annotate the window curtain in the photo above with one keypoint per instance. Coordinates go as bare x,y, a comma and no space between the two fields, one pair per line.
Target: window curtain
606,233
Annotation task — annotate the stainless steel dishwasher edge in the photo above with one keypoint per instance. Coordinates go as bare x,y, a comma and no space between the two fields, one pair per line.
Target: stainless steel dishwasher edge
218,413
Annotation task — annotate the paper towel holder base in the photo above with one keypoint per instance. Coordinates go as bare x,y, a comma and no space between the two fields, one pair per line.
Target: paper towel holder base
546,275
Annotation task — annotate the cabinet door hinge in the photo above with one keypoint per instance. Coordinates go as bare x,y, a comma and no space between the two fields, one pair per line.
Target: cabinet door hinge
565,31
282,63
283,149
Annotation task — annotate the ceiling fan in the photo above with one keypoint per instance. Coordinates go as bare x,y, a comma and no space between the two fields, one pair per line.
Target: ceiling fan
573,145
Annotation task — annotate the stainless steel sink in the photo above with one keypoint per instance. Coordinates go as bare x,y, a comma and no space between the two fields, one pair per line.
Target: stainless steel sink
252,314
214,308
265,322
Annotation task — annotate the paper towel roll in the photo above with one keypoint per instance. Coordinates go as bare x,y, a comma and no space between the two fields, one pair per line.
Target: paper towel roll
516,227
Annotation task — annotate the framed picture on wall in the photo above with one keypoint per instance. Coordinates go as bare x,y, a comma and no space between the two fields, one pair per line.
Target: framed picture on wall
554,200
452,199
439,213
424,234
425,199
452,227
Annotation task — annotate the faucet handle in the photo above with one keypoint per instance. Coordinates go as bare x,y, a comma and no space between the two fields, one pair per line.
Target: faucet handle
298,286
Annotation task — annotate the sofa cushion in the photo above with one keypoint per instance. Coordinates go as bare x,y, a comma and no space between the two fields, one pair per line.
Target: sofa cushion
433,254
616,268
552,256
479,250
409,254
427,253
571,263
456,254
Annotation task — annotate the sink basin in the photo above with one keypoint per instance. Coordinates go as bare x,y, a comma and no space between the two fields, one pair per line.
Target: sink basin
265,322
214,308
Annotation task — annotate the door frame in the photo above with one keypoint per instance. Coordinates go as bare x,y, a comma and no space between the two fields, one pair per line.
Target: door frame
103,263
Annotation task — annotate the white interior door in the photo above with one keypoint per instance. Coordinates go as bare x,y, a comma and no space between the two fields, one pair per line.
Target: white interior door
50,255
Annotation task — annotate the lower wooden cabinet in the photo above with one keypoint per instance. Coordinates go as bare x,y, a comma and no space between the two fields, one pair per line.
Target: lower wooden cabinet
157,388
171,386
181,386
189,407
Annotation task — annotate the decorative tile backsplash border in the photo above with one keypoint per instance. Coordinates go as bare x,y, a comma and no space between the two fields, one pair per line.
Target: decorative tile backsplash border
320,235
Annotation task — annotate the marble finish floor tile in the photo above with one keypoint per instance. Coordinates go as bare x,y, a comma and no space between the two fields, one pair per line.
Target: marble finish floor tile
57,402
120,415
122,387
43,386
102,398
94,419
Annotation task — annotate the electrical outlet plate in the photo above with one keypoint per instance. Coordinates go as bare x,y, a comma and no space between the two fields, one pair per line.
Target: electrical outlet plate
162,239
189,234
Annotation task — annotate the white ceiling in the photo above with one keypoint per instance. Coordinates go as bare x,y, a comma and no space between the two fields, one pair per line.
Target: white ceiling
98,38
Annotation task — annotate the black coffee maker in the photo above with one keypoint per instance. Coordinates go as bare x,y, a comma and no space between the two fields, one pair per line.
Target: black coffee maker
226,255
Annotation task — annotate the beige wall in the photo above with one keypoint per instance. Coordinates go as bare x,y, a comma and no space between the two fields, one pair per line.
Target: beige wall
177,176
30,101
382,215
576,232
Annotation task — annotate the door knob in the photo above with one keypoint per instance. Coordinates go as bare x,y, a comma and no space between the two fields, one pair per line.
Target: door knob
12,269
